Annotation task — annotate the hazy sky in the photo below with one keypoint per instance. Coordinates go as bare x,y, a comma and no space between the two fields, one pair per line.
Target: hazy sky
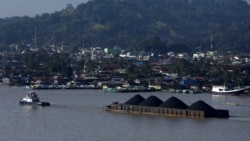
10,8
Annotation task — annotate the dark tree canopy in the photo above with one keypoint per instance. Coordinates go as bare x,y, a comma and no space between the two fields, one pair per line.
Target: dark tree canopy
155,25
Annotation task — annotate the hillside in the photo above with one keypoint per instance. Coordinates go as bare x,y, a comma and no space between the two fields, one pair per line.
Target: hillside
160,25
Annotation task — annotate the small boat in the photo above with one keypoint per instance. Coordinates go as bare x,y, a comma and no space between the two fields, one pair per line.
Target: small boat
232,103
110,90
226,90
31,98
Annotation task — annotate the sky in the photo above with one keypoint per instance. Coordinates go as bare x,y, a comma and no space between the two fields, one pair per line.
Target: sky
11,8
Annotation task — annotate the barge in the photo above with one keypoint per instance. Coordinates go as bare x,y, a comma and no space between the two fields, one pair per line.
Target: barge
172,107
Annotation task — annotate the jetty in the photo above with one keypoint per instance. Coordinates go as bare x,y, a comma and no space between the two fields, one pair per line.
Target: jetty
171,107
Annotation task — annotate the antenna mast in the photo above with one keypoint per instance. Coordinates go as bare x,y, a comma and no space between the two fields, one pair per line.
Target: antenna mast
35,37
211,46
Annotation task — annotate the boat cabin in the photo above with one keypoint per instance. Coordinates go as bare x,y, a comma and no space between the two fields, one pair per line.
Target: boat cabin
31,97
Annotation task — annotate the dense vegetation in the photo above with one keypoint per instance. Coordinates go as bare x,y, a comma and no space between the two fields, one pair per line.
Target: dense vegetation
162,25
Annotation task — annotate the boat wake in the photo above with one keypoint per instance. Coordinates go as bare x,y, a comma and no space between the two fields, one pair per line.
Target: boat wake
74,107
240,118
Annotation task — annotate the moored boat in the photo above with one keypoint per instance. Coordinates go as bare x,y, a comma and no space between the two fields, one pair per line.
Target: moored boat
227,90
130,89
31,98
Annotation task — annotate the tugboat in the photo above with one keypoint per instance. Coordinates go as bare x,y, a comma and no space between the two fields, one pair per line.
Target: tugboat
31,98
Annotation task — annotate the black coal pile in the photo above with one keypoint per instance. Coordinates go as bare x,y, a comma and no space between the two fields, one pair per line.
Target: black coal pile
174,102
135,100
152,101
202,106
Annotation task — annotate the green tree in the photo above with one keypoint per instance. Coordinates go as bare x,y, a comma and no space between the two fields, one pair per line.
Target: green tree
181,66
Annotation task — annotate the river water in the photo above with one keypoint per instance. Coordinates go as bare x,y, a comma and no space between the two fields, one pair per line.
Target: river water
77,115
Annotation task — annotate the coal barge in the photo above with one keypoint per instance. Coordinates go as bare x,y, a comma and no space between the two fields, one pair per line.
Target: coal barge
171,107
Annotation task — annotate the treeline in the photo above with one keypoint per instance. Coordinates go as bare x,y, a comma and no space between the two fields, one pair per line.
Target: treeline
163,25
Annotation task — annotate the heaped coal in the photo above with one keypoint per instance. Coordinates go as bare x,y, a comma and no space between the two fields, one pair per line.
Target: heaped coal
135,100
202,106
152,101
175,103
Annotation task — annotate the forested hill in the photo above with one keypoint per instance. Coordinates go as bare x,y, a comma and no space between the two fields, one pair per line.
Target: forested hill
160,25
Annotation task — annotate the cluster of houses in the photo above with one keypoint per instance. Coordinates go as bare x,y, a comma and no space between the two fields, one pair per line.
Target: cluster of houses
164,81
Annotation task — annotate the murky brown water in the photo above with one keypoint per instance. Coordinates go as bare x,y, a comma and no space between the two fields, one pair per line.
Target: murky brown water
77,115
